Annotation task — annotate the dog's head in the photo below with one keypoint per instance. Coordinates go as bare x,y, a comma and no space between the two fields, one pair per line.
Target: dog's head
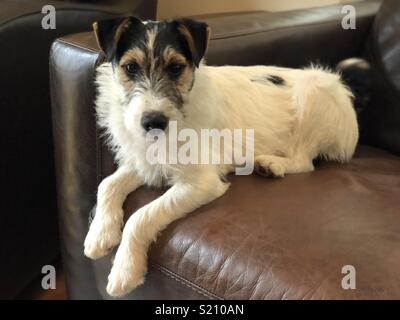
154,62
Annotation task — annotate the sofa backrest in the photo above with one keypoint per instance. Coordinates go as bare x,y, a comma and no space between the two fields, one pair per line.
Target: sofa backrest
382,119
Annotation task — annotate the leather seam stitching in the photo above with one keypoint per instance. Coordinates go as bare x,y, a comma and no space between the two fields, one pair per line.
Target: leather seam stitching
169,273
74,44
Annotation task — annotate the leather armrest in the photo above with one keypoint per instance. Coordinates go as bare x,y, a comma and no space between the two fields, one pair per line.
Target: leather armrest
72,92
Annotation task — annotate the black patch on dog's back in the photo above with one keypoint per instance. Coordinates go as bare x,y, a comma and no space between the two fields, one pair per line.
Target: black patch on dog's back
276,80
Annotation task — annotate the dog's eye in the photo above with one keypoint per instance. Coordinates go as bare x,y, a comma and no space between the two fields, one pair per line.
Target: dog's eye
132,68
175,69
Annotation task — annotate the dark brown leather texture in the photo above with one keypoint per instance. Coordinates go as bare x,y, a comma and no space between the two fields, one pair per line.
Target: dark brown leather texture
264,239
289,238
29,221
383,50
290,38
282,239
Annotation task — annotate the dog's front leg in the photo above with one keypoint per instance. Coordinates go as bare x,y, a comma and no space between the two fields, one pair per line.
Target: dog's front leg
130,263
105,230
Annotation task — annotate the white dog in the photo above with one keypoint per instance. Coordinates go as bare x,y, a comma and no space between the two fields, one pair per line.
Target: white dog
154,74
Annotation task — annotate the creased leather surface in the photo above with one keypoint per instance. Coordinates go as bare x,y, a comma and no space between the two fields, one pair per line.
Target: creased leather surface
283,239
290,238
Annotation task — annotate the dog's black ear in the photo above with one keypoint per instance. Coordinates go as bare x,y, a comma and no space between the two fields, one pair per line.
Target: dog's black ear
108,33
197,35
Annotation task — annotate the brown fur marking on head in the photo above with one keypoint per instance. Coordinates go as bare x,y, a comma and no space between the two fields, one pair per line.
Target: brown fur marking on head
124,25
189,38
134,55
171,55
185,80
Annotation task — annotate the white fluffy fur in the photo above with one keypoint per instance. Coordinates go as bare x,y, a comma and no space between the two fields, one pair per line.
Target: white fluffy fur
310,115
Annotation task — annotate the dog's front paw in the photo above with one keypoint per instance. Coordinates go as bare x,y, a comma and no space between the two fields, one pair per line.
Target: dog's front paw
127,273
269,166
101,238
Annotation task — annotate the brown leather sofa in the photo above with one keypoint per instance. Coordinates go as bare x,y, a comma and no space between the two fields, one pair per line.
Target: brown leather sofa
264,239
28,219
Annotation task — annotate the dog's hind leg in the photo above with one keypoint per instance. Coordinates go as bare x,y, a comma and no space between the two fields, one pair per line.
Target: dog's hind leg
277,167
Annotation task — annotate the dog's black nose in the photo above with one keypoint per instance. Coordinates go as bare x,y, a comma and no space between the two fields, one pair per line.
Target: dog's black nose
153,120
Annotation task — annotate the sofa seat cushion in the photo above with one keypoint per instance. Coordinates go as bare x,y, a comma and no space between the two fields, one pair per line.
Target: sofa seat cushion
284,238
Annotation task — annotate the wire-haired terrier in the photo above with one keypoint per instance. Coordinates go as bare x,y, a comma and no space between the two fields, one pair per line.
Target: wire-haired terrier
154,74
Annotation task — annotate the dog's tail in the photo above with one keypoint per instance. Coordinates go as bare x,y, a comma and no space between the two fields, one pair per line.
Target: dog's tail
311,86
356,74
